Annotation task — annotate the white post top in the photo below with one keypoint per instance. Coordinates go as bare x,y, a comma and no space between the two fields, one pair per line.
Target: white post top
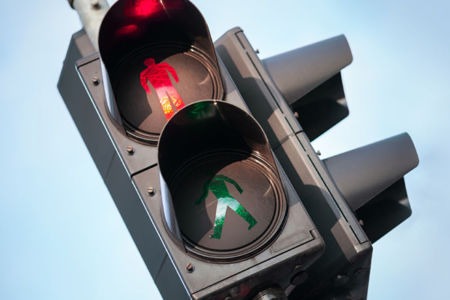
91,14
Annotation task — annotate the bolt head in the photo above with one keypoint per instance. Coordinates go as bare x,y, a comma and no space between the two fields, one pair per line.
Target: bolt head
190,268
130,150
95,80
151,191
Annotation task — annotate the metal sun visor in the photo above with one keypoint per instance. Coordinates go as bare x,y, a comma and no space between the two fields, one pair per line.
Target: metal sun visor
371,180
310,80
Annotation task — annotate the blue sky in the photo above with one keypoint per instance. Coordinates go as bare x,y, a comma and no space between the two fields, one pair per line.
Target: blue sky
61,235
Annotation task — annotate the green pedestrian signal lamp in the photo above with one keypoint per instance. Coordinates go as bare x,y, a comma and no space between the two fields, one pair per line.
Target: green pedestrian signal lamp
224,200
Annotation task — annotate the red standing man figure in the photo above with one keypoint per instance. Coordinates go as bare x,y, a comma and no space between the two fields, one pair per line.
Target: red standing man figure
158,76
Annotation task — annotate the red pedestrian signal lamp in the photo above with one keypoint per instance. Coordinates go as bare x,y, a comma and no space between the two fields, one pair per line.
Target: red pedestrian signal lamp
154,53
159,79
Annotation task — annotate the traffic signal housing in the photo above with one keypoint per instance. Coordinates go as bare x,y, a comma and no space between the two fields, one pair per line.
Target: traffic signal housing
207,203
206,152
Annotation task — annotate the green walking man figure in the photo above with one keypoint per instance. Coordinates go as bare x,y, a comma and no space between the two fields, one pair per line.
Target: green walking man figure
224,200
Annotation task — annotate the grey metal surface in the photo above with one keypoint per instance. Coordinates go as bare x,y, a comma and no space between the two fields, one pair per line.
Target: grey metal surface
141,156
363,173
136,218
91,123
299,71
78,103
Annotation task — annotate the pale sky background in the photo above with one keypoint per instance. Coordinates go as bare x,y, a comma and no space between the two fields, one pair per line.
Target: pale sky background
61,237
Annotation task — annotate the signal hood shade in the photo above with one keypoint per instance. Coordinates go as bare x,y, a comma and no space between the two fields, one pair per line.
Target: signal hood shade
363,173
384,212
310,80
299,71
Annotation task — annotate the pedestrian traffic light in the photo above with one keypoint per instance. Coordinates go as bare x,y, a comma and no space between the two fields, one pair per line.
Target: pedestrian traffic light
192,173
206,152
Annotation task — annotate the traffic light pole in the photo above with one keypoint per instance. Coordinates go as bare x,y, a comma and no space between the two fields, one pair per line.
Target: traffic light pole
91,14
